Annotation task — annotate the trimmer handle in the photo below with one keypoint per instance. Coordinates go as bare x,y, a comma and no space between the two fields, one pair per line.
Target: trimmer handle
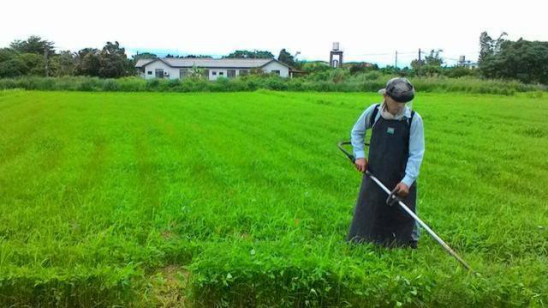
348,154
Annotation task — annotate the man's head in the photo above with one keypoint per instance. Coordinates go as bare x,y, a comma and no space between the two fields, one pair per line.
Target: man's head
397,93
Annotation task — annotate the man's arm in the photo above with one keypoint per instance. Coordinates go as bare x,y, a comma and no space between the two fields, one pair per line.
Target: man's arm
416,151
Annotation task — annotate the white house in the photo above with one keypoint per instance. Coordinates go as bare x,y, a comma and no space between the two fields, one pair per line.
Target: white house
178,68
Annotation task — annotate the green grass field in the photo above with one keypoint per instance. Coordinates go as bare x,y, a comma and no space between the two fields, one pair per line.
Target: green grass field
243,199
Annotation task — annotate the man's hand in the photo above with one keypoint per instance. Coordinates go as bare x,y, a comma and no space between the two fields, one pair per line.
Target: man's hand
361,164
402,189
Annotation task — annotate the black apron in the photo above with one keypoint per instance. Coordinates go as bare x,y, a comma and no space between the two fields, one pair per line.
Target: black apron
374,220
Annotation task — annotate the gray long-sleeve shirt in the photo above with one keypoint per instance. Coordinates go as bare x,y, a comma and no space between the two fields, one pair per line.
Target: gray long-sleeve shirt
416,141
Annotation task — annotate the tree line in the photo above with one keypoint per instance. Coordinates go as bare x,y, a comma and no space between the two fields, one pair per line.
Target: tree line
500,58
36,56
526,61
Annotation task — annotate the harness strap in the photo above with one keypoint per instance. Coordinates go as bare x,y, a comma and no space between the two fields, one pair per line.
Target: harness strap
372,120
374,115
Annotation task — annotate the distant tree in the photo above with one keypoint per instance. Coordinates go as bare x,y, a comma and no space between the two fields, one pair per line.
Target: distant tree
196,57
255,54
197,73
109,62
88,62
389,70
489,50
434,58
34,62
523,60
485,47
315,67
7,54
459,71
64,64
287,58
13,68
490,47
417,64
430,65
34,44
257,72
144,55
113,61
361,67
405,72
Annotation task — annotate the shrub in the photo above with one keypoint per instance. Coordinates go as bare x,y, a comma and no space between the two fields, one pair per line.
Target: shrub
327,81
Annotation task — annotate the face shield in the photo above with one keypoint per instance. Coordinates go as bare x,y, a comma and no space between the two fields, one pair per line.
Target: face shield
409,105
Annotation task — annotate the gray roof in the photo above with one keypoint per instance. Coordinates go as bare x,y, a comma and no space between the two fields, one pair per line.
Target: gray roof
217,63
143,62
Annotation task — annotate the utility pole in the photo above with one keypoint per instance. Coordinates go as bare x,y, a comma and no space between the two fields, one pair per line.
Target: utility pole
46,60
396,61
420,61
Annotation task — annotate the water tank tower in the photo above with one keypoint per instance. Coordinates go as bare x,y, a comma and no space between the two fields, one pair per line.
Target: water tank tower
336,56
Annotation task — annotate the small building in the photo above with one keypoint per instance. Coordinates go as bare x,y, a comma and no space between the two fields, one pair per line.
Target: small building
179,68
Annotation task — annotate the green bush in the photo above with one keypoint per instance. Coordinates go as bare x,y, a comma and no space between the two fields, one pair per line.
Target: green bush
110,85
152,84
89,84
35,63
13,68
326,81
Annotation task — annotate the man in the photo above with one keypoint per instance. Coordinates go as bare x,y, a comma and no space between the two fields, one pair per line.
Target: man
395,155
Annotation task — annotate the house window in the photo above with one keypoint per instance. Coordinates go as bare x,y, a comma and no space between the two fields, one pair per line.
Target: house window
244,72
159,73
214,73
231,73
276,72
150,72
221,73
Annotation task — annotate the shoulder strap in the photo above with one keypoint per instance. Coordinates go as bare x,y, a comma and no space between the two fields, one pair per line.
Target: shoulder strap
376,111
374,115
409,122
411,119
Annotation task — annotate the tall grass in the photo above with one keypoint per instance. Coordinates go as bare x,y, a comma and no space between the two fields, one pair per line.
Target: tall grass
369,82
243,200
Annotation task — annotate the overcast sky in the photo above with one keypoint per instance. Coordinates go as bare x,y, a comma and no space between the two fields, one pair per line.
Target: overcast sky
368,30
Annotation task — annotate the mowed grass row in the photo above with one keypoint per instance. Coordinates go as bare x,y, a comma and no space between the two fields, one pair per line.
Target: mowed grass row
243,199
